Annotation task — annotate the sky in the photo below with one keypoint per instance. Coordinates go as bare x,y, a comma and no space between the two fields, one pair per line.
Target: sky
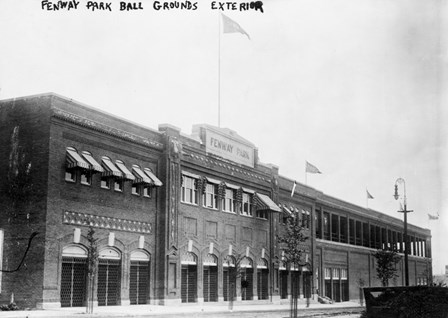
357,88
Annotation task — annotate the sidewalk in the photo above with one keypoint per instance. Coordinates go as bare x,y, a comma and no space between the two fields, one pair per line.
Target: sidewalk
185,310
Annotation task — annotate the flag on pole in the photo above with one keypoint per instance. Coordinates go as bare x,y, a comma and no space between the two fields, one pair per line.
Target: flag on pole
369,196
293,188
230,26
311,168
433,217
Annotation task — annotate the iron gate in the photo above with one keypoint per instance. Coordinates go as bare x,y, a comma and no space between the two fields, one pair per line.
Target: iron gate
109,282
139,282
262,283
210,283
73,281
189,283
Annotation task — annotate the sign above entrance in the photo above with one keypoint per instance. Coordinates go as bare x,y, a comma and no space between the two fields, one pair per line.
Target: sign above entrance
226,143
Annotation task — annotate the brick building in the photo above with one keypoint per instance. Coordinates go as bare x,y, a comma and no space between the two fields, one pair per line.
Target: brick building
178,218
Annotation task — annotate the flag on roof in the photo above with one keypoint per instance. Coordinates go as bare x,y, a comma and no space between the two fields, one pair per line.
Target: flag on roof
293,188
311,168
230,26
369,196
433,217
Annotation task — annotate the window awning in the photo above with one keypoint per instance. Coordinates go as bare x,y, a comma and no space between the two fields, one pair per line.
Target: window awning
248,191
287,211
140,176
127,175
153,177
211,180
191,175
74,160
110,169
95,166
232,186
267,203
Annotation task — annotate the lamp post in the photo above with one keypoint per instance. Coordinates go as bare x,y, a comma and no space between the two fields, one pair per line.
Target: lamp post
405,211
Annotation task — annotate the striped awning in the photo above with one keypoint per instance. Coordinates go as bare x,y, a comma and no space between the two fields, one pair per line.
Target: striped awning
265,203
287,211
153,177
74,160
110,170
140,176
94,165
127,175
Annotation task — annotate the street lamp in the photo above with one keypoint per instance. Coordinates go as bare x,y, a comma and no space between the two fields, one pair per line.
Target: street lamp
405,212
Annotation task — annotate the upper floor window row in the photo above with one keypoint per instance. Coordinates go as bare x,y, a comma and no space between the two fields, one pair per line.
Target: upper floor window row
83,166
301,215
215,194
343,229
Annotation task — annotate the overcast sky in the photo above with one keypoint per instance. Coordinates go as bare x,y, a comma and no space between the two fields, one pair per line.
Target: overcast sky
355,87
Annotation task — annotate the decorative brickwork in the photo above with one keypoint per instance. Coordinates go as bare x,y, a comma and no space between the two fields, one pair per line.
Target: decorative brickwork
84,219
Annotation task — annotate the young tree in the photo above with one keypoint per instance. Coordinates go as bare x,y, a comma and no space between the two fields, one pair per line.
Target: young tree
92,262
292,244
386,261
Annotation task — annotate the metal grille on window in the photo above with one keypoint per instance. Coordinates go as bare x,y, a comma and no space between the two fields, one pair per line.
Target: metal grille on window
109,282
138,282
210,278
73,281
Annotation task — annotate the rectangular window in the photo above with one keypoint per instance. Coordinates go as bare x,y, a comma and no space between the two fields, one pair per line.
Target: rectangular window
70,175
105,182
351,229
210,197
118,185
318,224
246,208
189,190
327,273
136,189
335,273
86,178
262,214
147,192
343,226
228,201
327,226
343,273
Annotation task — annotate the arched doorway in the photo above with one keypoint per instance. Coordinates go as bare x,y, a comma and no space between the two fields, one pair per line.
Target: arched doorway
109,277
210,278
139,278
229,278
73,276
262,279
189,277
247,279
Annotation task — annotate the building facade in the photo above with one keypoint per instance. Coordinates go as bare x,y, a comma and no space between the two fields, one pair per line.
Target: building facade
176,218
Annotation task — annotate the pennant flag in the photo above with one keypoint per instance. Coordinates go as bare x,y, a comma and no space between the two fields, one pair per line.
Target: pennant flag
293,188
433,217
401,207
369,196
230,26
311,168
